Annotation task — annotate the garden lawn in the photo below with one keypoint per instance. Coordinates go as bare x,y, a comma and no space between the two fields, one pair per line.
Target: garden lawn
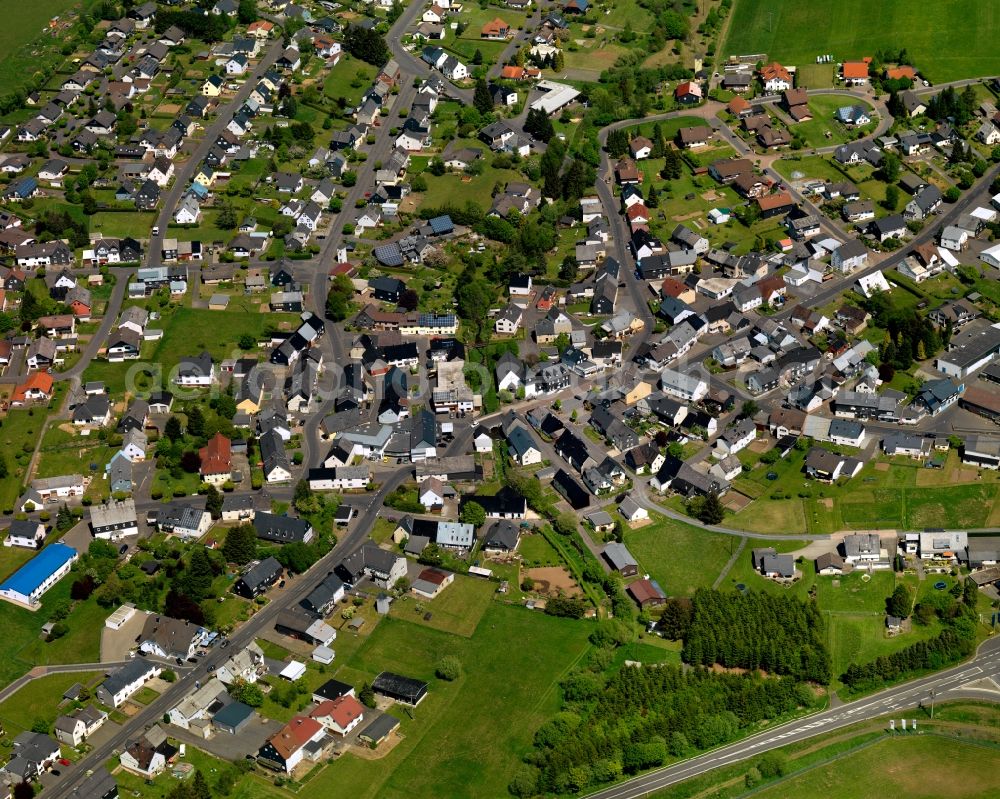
679,556
458,188
23,648
136,224
82,644
38,700
794,32
906,496
457,609
18,435
904,766
535,550
466,738
853,593
823,107
24,24
743,571
349,79
191,331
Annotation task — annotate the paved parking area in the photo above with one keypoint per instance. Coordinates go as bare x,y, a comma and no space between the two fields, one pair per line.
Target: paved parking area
230,747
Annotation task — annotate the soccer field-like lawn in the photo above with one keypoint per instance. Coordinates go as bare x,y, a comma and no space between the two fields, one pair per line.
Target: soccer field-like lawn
945,41
912,767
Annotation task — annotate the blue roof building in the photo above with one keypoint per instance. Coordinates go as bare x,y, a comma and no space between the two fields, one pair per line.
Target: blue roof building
441,225
38,575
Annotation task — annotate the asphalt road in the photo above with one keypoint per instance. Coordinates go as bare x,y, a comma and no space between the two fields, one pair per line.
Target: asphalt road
183,175
898,702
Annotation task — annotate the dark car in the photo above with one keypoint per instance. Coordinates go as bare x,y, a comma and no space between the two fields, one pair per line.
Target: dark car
179,661
123,549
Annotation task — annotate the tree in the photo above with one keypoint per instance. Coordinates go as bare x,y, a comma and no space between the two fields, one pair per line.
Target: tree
196,421
213,502
898,604
367,695
890,167
712,511
246,13
246,692
367,44
409,300
196,579
538,124
617,144
296,557
481,98
338,300
652,198
23,790
227,219
448,668
473,513
305,499
199,787
891,196
749,409
64,518
240,545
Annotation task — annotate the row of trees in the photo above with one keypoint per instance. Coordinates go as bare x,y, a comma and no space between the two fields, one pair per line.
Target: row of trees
957,641
776,634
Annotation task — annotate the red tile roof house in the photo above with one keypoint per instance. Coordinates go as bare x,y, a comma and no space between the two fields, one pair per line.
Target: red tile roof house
287,748
38,387
216,459
495,30
688,93
646,593
340,715
855,73
637,214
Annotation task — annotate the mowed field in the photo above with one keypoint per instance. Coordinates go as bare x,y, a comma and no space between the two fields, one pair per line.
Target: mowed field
24,23
466,739
915,767
946,41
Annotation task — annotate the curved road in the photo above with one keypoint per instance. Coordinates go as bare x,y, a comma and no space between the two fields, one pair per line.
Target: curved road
897,702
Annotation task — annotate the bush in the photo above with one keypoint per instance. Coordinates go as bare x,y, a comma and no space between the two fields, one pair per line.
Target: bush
168,675
448,668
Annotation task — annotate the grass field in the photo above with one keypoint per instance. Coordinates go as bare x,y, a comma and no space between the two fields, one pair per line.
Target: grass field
467,737
37,701
911,767
823,107
679,556
25,23
907,496
22,646
794,32
191,331
536,551
18,436
457,609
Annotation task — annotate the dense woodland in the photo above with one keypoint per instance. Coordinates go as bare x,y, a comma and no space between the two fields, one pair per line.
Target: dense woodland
776,634
639,718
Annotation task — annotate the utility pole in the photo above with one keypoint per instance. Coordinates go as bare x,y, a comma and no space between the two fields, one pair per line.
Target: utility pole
932,703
